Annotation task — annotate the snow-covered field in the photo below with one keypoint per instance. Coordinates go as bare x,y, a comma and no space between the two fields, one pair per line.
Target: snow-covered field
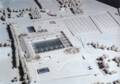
7,74
3,33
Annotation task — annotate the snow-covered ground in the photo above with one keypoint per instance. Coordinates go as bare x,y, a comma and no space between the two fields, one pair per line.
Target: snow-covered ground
7,74
96,24
1,5
3,33
17,4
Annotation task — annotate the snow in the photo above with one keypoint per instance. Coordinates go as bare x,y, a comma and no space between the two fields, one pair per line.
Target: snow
66,69
16,4
6,71
1,5
3,33
72,68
